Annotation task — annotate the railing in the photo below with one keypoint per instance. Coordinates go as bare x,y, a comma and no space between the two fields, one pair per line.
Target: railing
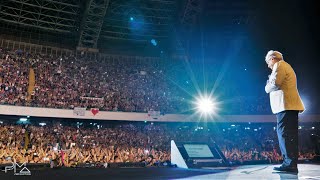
61,52
35,48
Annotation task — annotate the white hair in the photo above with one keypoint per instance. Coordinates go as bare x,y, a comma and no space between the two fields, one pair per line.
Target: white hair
273,54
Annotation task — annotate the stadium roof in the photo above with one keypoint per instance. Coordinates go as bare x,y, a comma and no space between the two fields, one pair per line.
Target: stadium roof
110,24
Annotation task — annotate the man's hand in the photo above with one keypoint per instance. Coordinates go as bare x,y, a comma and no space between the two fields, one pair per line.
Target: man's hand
270,84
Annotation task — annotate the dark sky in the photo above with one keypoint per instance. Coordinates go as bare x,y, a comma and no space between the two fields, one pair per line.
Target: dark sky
291,27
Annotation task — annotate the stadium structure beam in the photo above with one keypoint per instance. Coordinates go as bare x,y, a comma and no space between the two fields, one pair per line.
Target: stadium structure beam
188,19
191,11
55,15
92,23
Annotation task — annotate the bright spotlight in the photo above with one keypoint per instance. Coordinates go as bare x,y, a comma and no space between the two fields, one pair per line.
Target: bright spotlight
42,124
131,18
23,119
206,105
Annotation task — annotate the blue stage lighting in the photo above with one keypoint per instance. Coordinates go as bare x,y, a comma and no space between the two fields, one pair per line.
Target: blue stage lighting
131,18
154,42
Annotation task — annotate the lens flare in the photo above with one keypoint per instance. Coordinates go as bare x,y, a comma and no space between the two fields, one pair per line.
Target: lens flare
206,105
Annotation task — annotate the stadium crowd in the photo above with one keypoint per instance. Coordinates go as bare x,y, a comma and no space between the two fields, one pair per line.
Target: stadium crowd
68,82
130,86
69,144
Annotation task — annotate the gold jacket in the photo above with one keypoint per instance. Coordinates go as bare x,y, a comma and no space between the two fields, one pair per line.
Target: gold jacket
282,87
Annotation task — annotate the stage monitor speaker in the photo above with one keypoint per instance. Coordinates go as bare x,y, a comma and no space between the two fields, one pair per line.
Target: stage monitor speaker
196,155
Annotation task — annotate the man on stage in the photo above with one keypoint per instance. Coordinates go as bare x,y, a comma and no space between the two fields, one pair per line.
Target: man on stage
286,104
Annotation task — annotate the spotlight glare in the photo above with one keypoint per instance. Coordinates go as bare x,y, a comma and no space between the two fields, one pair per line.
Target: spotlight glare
23,119
206,105
153,42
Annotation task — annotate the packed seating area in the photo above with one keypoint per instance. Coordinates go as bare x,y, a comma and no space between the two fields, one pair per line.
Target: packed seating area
75,82
68,82
70,143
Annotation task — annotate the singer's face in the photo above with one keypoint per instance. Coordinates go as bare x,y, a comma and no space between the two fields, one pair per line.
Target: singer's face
270,63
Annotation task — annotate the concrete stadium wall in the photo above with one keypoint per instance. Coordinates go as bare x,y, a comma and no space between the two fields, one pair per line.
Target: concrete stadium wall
133,116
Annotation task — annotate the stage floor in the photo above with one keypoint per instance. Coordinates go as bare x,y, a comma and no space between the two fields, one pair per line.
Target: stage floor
264,172
256,172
